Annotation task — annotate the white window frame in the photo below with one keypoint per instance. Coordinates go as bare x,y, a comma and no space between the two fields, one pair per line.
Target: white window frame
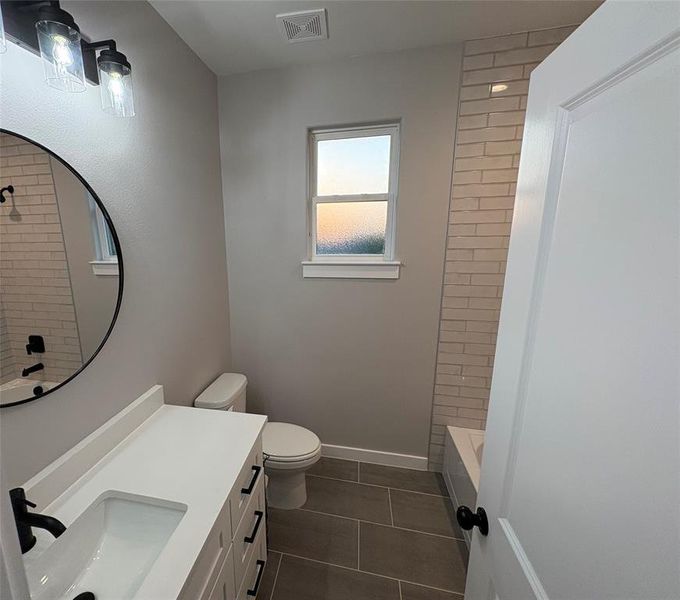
374,266
105,263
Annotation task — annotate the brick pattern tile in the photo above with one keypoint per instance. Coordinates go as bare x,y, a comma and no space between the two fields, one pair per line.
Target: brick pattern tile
34,277
489,132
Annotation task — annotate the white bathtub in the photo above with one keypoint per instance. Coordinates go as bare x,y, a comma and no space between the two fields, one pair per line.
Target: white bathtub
21,389
462,461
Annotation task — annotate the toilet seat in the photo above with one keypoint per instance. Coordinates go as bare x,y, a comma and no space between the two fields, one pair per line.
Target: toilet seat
289,446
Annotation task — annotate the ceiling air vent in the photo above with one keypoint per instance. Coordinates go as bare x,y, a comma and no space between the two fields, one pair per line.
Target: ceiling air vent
304,26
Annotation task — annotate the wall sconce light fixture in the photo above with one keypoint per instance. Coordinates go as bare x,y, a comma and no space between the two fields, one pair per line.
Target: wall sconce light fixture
60,49
43,27
115,78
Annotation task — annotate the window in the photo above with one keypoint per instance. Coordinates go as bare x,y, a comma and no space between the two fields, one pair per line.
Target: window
352,199
106,259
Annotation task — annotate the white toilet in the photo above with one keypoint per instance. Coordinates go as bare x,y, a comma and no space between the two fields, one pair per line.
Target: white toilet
289,450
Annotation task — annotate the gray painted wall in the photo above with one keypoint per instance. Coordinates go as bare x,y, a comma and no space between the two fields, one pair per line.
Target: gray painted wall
158,175
94,296
353,360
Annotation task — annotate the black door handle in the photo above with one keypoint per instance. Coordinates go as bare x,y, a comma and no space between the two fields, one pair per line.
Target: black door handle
467,519
260,567
251,485
251,538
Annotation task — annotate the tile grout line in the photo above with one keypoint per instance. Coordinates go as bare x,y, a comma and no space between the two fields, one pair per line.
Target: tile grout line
321,562
358,545
276,576
389,499
439,535
384,487
359,463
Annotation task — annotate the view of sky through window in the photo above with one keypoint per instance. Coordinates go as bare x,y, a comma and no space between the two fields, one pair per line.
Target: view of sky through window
358,165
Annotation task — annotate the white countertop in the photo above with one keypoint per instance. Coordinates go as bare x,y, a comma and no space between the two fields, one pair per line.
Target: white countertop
187,455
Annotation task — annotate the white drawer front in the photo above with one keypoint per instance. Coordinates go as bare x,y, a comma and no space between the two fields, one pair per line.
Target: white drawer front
250,530
224,588
255,569
246,483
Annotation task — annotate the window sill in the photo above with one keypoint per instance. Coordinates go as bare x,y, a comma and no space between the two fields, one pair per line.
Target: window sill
383,269
104,267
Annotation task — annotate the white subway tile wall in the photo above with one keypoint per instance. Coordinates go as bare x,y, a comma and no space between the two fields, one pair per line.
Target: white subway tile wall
36,288
495,84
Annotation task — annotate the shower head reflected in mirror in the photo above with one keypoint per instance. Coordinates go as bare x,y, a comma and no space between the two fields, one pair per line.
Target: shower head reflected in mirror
10,189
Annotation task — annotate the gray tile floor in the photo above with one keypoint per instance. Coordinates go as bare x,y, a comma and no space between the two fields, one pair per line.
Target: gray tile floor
367,532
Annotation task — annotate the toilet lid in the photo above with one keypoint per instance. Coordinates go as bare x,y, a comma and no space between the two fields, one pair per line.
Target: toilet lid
287,442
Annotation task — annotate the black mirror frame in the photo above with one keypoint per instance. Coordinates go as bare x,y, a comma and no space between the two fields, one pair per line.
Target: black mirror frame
119,254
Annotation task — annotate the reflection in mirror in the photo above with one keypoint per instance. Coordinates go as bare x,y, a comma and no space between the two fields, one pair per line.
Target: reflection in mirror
60,276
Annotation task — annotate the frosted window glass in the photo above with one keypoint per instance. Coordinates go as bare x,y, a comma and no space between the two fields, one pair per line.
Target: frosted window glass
351,227
353,166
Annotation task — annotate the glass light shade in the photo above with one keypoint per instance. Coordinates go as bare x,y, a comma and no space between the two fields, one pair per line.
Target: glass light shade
3,41
62,56
115,84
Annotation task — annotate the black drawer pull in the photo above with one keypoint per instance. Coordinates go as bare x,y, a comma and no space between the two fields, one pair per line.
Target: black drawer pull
249,539
260,567
251,485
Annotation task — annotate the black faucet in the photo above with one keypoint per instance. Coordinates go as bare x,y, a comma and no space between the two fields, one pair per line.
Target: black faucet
36,367
25,520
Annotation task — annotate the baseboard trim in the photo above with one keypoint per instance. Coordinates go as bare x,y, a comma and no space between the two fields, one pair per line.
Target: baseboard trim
389,459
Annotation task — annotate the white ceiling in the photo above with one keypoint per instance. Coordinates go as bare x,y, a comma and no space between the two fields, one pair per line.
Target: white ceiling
238,36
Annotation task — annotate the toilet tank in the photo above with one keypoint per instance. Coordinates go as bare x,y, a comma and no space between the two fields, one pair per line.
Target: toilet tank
227,392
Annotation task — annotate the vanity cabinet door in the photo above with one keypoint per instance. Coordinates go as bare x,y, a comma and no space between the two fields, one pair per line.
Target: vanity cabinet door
207,566
250,530
224,588
251,475
255,569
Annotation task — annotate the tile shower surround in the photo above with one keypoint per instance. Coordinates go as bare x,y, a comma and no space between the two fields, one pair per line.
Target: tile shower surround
493,98
36,289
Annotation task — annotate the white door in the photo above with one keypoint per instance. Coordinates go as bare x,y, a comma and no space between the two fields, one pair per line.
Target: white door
581,471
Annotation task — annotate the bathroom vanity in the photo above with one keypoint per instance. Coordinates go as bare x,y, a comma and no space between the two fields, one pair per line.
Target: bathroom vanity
161,502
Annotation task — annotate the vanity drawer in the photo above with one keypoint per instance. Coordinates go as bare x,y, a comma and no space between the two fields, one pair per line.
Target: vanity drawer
250,530
250,476
224,588
255,569
211,558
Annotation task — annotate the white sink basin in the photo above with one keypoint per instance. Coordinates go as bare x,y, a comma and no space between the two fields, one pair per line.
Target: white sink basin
108,550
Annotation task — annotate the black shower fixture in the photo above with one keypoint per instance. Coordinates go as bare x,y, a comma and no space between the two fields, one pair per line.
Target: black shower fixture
9,189
69,59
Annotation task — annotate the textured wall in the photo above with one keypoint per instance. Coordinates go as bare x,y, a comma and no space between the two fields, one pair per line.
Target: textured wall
353,360
7,363
158,174
94,296
495,84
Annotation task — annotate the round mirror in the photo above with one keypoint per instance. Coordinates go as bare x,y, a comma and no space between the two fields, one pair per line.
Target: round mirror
61,271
